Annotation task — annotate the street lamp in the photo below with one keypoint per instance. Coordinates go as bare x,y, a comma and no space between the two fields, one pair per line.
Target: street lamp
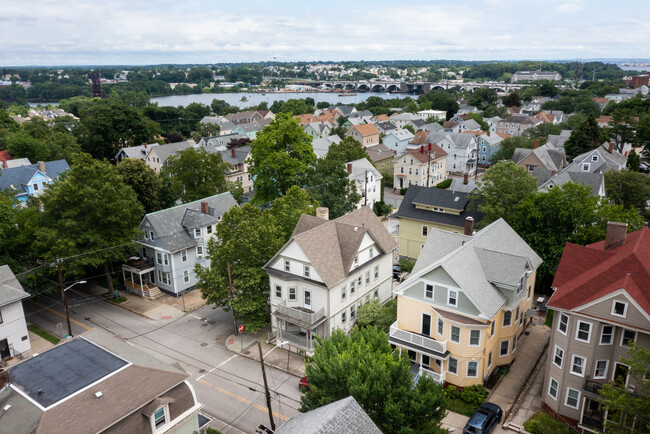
65,303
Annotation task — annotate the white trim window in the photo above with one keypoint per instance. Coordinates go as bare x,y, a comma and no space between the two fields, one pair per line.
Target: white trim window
306,270
343,292
452,366
344,318
607,334
563,324
474,338
619,308
199,251
292,293
507,318
425,230
558,357
472,369
627,337
158,258
159,418
452,298
183,255
578,365
376,272
583,331
197,232
552,388
441,326
504,348
352,312
600,371
572,397
287,265
352,287
428,291
208,229
367,277
186,276
454,335
371,253
278,291
490,359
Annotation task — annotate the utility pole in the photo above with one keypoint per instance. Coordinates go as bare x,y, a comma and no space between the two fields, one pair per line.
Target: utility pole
366,189
63,296
232,295
266,387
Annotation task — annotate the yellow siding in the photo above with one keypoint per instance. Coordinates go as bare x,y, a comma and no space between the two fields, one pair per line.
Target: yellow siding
410,235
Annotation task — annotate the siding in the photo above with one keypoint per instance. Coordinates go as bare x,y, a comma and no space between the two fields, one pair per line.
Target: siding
14,328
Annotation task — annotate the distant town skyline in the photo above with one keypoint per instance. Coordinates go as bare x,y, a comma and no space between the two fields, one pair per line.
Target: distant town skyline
80,32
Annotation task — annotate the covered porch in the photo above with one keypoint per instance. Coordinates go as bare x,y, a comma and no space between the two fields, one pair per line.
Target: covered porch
139,277
298,326
427,355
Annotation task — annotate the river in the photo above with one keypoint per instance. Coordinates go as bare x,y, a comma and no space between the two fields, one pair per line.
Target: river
269,97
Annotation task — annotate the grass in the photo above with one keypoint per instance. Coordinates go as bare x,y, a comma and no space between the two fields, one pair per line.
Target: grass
42,333
461,407
118,300
213,431
543,423
549,318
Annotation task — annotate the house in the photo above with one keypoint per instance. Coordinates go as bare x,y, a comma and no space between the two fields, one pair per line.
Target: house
432,127
249,116
250,129
364,116
322,145
175,239
517,124
32,179
367,179
158,155
382,158
325,272
366,134
94,383
604,121
380,118
545,157
386,127
461,149
343,110
601,303
462,185
488,145
344,416
439,115
602,102
398,140
603,158
547,180
423,209
402,119
465,306
318,130
238,171
138,152
535,76
423,166
14,338
221,142
492,123
558,140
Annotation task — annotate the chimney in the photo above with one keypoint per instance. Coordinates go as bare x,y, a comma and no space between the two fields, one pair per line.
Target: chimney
349,167
488,134
430,146
145,146
422,149
611,147
469,226
205,209
465,178
234,153
615,235
4,164
323,212
536,145
459,130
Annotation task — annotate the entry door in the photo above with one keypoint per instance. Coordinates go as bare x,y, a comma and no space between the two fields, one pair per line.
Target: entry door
620,371
401,183
426,325
4,349
307,302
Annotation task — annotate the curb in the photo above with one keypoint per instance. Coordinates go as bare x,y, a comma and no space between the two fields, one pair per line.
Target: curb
286,371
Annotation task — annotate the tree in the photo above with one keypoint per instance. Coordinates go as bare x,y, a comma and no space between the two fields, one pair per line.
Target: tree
365,366
346,150
584,138
280,157
287,210
195,174
329,184
205,130
628,188
633,161
508,146
483,97
90,215
504,186
247,238
145,182
620,403
22,145
439,100
622,128
409,128
512,100
642,134
479,119
375,314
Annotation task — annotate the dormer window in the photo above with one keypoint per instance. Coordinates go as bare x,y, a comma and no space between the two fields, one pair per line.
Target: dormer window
306,271
356,261
619,308
159,418
197,232
287,265
594,158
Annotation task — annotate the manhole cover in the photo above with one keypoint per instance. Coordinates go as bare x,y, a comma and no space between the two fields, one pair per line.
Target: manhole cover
204,344
212,322
201,371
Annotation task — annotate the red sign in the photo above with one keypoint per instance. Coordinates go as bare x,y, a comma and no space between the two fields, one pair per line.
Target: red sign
241,328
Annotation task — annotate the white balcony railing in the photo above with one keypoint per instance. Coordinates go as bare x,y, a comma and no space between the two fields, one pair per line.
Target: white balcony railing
416,339
436,377
296,340
301,315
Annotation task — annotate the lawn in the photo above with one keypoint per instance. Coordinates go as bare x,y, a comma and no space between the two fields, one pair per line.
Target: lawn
542,423
461,407
42,333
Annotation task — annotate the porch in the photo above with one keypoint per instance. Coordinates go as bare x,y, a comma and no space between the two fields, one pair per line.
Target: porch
298,326
139,277
416,341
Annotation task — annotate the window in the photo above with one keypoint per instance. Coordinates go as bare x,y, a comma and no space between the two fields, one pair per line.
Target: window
585,167
583,332
529,290
359,281
521,286
352,312
628,336
425,231
209,229
472,369
287,265
507,318
186,276
517,315
278,291
199,251
151,235
197,232
492,329
410,171
35,186
474,337
356,261
306,270
619,308
163,277
558,357
453,366
428,291
455,334
376,272
606,335
578,365
452,297
552,388
159,258
352,287
166,258
505,348
572,397
344,317
514,343
292,294
307,298
490,359
343,293
371,253
594,158
159,418
184,256
563,324
601,369
441,326
367,277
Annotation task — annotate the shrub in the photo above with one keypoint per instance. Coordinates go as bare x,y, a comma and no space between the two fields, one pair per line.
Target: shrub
474,395
382,208
452,392
444,184
406,265
542,423
402,191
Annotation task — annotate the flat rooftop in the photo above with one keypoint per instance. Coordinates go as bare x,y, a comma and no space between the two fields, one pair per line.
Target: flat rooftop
60,372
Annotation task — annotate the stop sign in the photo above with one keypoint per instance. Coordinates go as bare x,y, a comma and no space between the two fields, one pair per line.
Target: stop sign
241,328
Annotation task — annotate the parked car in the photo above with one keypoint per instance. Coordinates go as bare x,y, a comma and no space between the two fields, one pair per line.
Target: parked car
303,385
643,167
396,271
484,419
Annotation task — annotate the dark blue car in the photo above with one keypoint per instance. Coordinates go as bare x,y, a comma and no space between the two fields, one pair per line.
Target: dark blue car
483,421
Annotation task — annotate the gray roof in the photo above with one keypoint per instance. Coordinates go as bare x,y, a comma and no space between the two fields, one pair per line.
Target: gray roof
386,126
405,117
401,135
551,158
222,140
379,152
459,140
322,145
17,162
250,126
164,151
21,175
346,110
359,168
558,140
212,120
608,160
522,119
572,173
10,288
139,152
432,127
169,225
344,416
471,124
241,154
457,184
496,255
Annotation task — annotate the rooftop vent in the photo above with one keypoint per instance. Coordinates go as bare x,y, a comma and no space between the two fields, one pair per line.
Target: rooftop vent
98,394
7,407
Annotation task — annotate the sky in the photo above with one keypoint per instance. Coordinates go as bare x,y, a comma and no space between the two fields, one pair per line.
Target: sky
138,32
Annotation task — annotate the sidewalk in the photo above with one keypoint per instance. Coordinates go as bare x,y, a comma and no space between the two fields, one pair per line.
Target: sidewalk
279,358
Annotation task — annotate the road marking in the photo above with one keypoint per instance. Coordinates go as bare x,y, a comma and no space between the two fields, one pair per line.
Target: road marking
216,367
61,315
197,317
244,400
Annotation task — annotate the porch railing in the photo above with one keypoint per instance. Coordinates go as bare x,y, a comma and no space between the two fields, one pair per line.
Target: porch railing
417,339
301,315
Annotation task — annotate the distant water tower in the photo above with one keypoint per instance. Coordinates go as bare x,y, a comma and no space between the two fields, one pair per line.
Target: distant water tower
97,86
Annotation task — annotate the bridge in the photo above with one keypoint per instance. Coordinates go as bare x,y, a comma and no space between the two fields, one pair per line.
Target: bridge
417,87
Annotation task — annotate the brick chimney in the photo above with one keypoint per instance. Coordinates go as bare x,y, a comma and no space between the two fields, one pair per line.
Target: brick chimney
615,235
465,178
323,212
459,130
349,167
233,153
611,147
205,209
488,134
536,145
469,226
41,167
430,145
4,164
422,149
145,146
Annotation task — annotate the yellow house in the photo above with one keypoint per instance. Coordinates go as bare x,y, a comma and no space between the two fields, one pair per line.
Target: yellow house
424,166
424,209
467,303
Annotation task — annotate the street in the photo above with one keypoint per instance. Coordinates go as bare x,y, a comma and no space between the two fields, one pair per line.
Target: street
228,385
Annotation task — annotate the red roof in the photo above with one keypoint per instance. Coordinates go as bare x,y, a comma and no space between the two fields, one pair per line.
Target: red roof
587,273
4,155
422,157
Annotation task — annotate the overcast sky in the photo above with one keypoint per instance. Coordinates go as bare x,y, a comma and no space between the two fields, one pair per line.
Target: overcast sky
80,32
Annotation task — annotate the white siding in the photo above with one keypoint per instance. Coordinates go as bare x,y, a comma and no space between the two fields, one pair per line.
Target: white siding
13,327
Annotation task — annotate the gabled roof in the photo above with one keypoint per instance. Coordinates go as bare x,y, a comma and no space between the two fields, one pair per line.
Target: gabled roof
379,152
10,288
386,126
420,138
139,152
359,169
571,173
550,157
164,151
322,145
400,135
496,255
365,129
588,273
458,140
423,157
471,124
458,184
21,175
433,126
614,160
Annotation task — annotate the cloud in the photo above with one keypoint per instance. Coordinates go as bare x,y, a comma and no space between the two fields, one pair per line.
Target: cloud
569,8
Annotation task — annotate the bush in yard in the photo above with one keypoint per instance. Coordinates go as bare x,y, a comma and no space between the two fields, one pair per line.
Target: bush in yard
406,265
542,423
402,191
382,209
474,395
452,392
444,184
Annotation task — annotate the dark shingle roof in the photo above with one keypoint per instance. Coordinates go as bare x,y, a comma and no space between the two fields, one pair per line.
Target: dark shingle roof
21,175
10,288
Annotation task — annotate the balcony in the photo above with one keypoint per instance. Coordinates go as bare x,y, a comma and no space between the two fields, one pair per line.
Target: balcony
420,341
435,376
137,265
301,316
295,340
592,387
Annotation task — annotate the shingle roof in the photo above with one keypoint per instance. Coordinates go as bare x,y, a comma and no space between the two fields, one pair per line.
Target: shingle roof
400,135
551,158
139,152
459,140
360,167
365,129
164,151
379,152
322,145
471,124
433,126
436,154
10,288
595,181
21,175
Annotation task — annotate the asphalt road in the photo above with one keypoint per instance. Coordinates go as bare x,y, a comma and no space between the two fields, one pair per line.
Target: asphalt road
229,386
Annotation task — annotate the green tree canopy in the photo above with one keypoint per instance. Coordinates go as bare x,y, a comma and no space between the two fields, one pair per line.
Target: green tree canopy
145,182
247,238
195,174
512,100
508,146
628,188
287,210
439,100
365,366
584,138
348,149
479,119
483,97
280,157
329,184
